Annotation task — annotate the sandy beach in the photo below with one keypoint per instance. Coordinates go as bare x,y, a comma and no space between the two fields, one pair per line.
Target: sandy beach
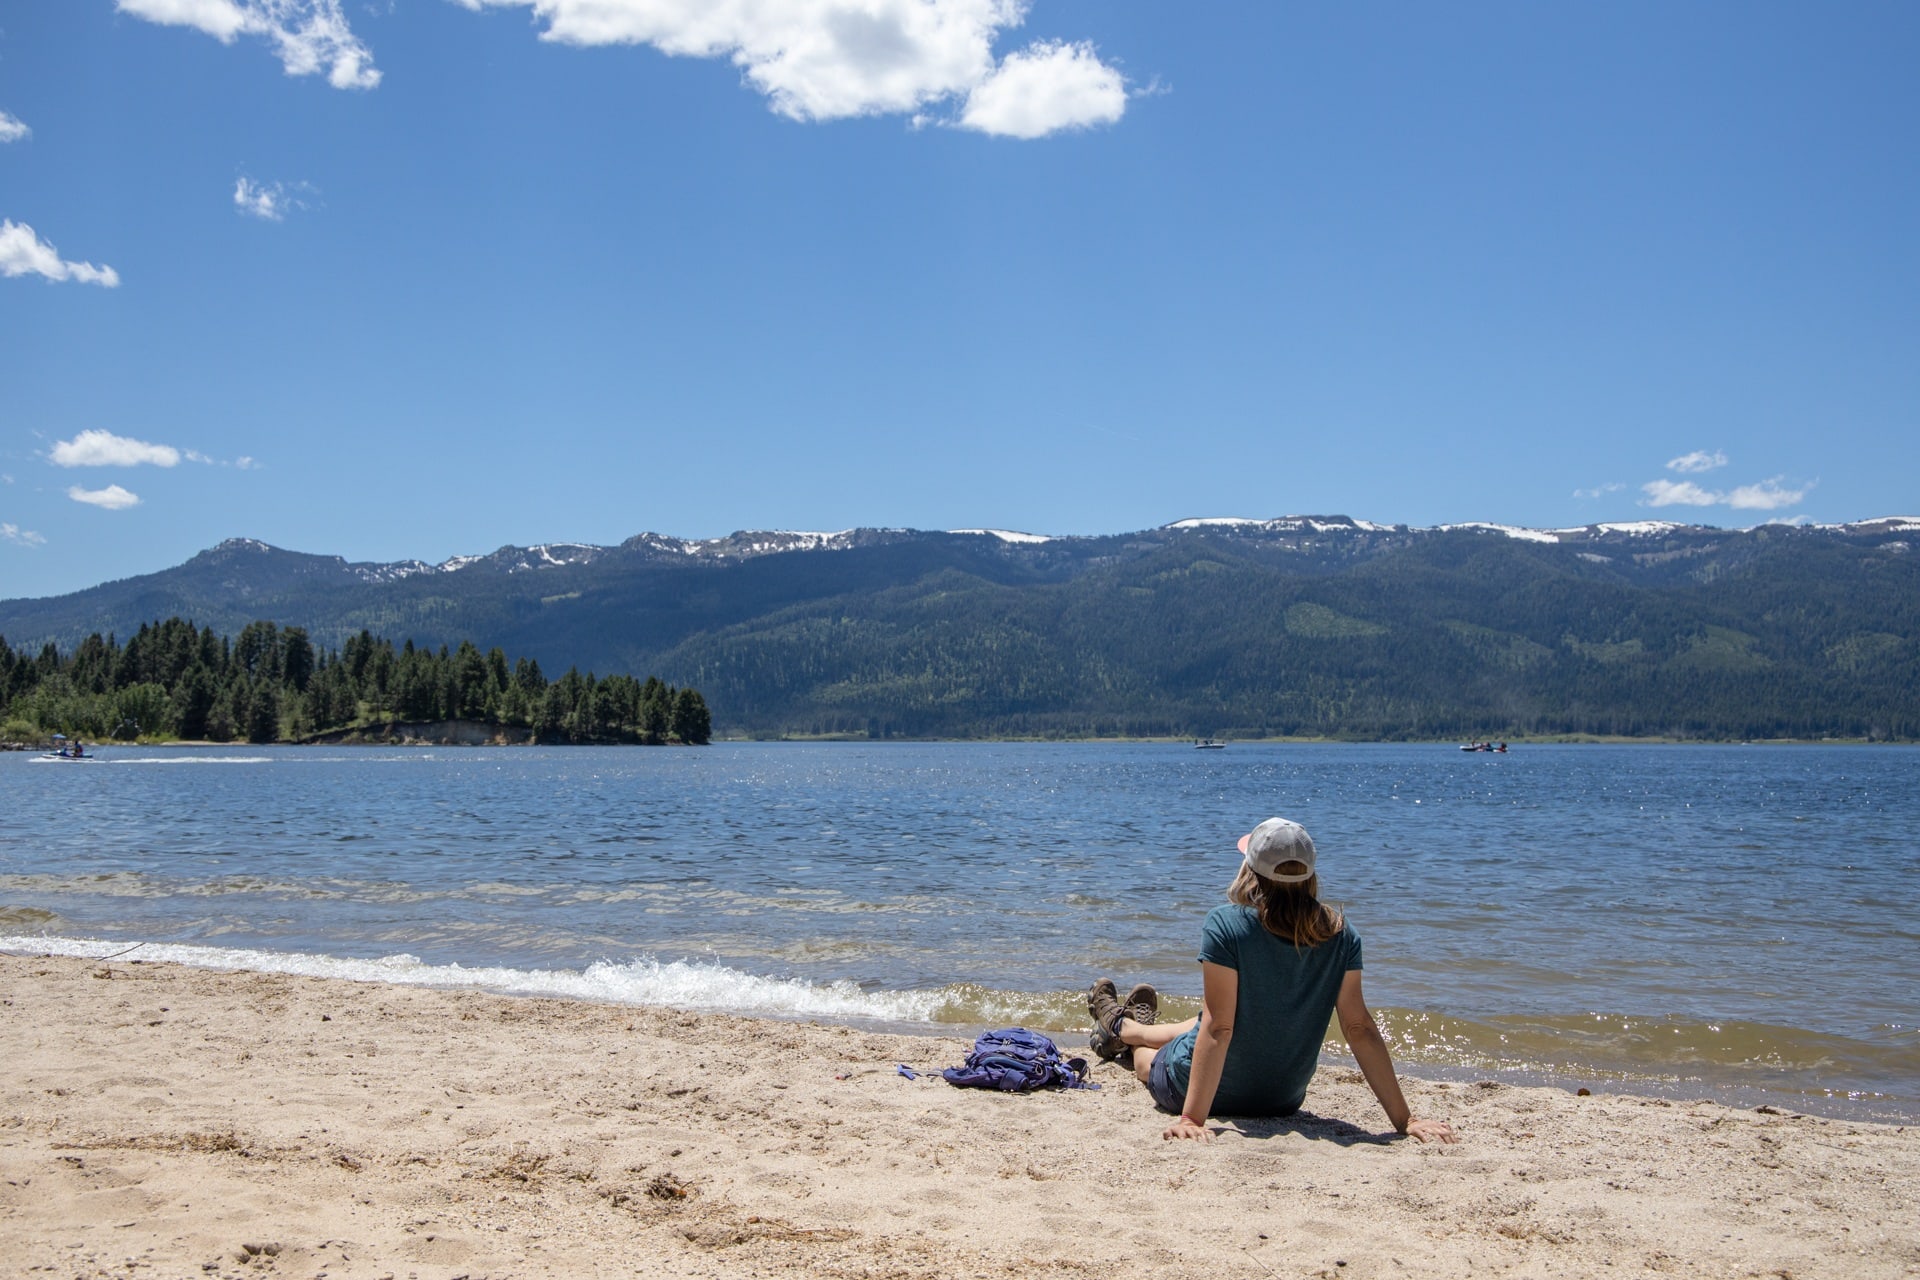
158,1120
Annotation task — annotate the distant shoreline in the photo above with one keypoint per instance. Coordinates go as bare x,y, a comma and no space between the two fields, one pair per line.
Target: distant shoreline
1183,740
369,737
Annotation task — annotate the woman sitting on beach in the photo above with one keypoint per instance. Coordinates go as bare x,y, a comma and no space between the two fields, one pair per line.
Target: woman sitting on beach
1275,963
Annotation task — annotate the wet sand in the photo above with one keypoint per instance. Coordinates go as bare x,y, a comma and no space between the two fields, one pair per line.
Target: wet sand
160,1121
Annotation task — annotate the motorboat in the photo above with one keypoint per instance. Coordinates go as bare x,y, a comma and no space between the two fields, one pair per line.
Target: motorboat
65,750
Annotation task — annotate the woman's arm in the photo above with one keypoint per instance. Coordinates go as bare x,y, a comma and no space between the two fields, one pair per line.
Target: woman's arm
1376,1064
1219,993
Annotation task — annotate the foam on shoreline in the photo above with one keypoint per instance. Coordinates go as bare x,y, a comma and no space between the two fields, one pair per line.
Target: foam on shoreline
693,985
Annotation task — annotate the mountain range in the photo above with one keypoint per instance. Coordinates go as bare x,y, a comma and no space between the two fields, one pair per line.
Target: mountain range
1315,625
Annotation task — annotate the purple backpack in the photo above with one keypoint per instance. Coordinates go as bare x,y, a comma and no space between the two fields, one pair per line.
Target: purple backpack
1018,1060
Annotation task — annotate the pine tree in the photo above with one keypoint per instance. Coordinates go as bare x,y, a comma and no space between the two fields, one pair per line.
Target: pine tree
263,713
655,718
691,721
296,658
192,703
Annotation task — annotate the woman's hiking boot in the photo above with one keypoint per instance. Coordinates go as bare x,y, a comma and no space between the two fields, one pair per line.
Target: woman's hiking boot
1142,1005
1103,1002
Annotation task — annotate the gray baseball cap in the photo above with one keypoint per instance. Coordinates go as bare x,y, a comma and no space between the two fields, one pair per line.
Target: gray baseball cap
1274,842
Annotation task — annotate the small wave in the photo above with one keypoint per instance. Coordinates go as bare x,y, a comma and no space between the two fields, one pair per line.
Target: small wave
1630,1048
702,986
136,884
681,984
173,760
1057,1012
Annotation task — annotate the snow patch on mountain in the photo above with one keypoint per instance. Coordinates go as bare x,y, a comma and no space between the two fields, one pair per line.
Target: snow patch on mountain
1637,528
1283,524
1005,535
1884,524
1212,522
1509,530
395,571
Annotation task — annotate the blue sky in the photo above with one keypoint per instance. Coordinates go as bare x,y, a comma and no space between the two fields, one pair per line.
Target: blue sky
418,278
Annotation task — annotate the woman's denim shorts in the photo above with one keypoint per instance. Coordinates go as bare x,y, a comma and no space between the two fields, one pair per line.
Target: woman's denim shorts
1165,1096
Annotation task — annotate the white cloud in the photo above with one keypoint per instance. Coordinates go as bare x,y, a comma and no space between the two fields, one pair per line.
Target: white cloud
11,130
1768,495
308,35
813,59
1047,88
1598,491
22,537
271,201
105,449
834,59
241,463
221,19
1697,461
1668,493
113,497
22,253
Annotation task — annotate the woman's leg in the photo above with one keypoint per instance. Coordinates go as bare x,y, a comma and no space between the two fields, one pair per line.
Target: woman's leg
1152,1035
1149,1039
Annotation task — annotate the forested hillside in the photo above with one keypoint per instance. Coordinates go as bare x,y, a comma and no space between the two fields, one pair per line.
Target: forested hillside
1320,626
172,680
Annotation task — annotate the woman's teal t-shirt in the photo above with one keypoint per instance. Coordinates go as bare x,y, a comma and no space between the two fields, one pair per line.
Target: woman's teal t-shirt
1287,995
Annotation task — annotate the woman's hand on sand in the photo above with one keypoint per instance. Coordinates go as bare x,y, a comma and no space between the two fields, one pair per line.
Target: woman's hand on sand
1185,1128
1427,1131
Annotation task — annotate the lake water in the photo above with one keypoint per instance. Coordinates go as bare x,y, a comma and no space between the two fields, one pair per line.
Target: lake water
1730,922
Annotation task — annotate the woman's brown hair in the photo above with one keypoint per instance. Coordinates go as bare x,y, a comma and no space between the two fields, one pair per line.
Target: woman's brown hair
1290,911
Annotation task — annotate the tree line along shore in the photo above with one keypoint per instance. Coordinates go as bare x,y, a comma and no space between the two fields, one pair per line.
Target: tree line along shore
173,680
